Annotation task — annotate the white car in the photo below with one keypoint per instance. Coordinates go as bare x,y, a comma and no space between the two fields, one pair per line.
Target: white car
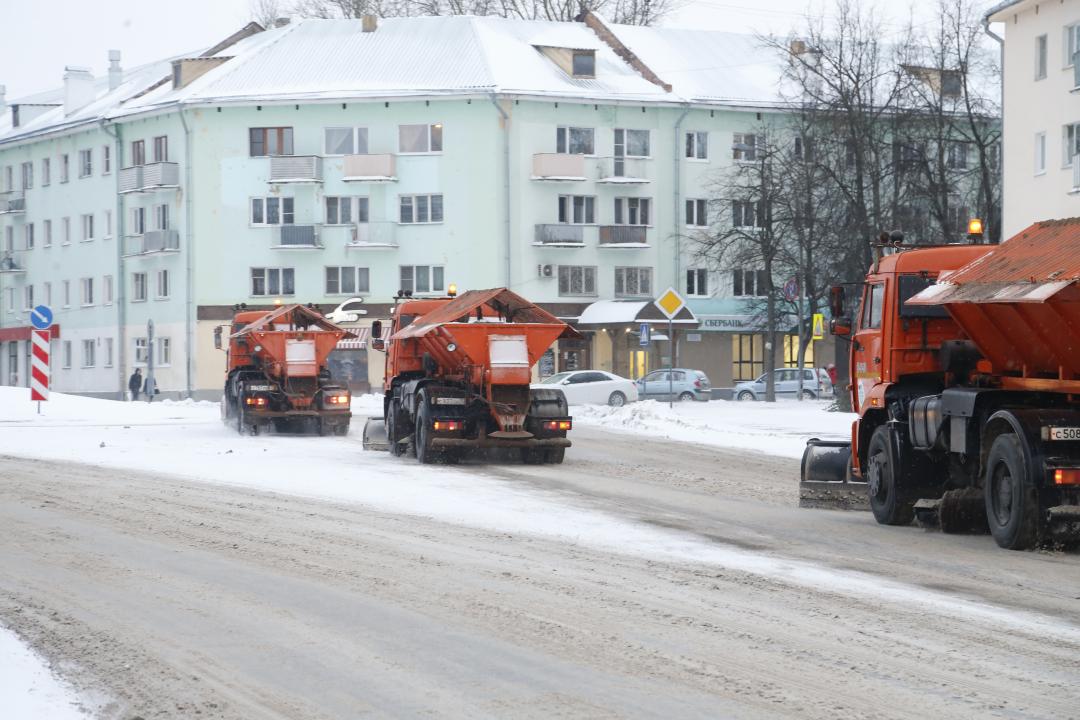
592,387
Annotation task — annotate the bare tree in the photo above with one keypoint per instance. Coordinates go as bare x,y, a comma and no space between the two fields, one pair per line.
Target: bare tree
631,12
266,12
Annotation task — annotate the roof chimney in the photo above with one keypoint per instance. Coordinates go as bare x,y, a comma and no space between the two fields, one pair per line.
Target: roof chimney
116,75
281,22
369,23
78,88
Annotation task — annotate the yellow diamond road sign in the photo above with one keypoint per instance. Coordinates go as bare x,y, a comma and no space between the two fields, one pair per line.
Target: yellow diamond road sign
670,303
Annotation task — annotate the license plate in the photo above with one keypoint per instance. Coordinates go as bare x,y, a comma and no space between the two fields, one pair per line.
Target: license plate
1065,433
260,388
449,401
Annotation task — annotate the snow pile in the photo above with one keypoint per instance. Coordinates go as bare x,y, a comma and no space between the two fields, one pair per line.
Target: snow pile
28,691
780,428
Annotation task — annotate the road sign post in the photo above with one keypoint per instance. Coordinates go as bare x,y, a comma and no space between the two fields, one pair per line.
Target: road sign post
671,304
41,317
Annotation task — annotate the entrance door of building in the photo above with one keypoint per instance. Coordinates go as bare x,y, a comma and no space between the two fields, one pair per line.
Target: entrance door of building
639,364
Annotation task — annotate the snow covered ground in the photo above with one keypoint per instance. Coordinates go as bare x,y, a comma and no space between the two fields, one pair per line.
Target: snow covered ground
28,690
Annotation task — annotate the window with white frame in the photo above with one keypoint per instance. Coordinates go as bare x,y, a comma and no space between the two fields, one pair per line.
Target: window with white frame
1070,143
9,238
141,354
86,163
697,282
420,138
583,63
272,211
577,209
138,152
27,175
65,231
632,211
633,281
956,155
697,214
66,356
9,178
107,289
347,280
46,233
161,148
28,297
65,168
1071,43
108,224
631,143
749,283
264,141
1040,153
138,287
422,278
88,353
417,209
108,353
106,160
272,281
744,147
577,280
46,171
138,221
47,287
956,215
161,216
10,292
164,351
28,236
745,214
697,145
87,291
88,227
67,293
162,285
1040,57
345,210
345,141
575,141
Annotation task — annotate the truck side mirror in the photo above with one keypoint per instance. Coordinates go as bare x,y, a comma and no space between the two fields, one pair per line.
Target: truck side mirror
840,326
377,341
217,337
836,301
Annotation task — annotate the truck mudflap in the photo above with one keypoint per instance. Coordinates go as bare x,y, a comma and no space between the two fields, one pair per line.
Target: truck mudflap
826,479
375,434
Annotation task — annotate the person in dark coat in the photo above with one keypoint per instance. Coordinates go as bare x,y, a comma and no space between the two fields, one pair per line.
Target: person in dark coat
135,384
150,389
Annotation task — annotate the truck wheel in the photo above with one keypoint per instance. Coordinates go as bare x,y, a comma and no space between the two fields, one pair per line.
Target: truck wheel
887,500
393,429
555,455
532,456
422,439
240,418
1012,502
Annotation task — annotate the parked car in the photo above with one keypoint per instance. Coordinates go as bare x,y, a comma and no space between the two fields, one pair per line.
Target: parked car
593,387
683,384
815,384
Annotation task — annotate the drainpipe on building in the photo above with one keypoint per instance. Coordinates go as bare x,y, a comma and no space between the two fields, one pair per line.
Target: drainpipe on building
676,197
506,178
189,266
119,284
1001,105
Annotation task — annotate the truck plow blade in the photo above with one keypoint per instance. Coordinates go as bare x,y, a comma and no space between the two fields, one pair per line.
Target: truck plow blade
826,480
375,434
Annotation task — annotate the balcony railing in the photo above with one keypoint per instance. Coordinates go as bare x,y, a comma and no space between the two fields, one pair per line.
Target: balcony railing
130,179
622,235
9,264
558,166
295,169
560,235
298,236
13,201
153,242
160,175
370,168
373,235
622,170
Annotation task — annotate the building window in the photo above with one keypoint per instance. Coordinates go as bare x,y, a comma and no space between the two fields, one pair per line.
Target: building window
584,63
87,285
272,281
347,280
86,163
161,217
631,143
345,141
803,148
575,141
65,231
577,209
745,214
138,287
108,353
421,208
272,211
65,168
422,278
161,148
1040,153
46,172
138,152
264,141
106,162
956,155
107,290
1072,32
697,145
162,284
749,283
697,282
631,211
10,292
697,212
577,280
1070,143
1040,57
27,175
67,293
346,210
744,147
87,227
420,138
141,354
9,238
48,233
164,351
747,356
28,297
957,216
138,221
48,292
108,224
28,235
88,353
67,354
633,281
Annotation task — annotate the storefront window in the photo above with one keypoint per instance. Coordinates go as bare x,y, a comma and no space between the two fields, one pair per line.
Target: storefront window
747,356
791,352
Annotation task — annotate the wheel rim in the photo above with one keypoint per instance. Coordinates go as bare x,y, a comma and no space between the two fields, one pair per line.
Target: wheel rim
744,396
617,400
1001,493
879,465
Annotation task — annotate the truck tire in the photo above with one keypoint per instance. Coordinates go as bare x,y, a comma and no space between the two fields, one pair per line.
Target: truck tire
422,439
887,499
393,429
240,418
555,455
1012,502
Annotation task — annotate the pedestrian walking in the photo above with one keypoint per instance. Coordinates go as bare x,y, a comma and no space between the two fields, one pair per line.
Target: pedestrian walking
135,383
833,375
150,388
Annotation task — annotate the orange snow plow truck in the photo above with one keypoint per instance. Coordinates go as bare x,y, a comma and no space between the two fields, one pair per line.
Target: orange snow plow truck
965,368
458,372
277,373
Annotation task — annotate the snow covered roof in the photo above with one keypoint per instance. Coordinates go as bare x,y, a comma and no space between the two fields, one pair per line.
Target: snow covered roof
629,312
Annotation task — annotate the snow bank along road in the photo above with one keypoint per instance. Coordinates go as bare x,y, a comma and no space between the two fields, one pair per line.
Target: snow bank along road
639,579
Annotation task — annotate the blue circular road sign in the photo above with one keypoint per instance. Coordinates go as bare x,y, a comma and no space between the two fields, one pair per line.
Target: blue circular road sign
41,317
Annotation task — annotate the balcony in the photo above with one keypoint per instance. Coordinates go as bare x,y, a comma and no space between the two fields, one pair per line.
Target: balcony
370,168
560,235
626,236
558,167
372,236
296,169
130,180
153,242
297,237
12,202
9,265
623,171
148,178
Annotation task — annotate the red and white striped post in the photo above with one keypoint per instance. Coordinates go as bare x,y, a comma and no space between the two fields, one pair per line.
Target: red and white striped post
39,366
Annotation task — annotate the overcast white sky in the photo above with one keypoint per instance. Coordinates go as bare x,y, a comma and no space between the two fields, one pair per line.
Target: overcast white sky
81,32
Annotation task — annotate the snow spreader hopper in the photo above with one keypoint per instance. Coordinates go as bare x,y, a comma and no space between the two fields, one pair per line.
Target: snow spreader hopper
965,367
277,373
457,377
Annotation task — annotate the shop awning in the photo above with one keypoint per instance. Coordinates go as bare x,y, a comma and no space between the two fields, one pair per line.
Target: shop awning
23,333
626,312
355,343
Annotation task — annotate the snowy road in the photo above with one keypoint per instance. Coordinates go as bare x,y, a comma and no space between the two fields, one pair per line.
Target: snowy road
655,579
